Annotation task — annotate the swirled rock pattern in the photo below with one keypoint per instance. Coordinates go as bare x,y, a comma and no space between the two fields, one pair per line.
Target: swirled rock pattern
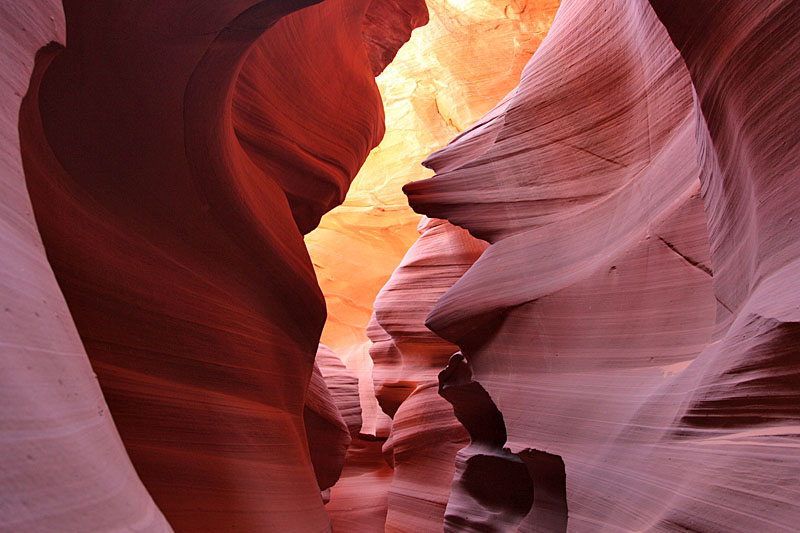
406,354
388,25
174,162
629,318
326,431
450,73
597,329
425,435
745,65
492,490
343,387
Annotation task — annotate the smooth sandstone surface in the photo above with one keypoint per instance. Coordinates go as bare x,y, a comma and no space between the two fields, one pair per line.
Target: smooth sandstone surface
327,433
425,436
634,316
406,354
743,60
450,73
595,329
343,387
173,166
63,465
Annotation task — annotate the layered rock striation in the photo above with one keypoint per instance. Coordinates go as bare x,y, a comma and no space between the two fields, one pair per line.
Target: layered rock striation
64,467
331,415
174,162
597,329
425,435
633,316
450,73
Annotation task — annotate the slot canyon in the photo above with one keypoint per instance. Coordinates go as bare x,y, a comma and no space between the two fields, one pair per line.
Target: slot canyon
400,266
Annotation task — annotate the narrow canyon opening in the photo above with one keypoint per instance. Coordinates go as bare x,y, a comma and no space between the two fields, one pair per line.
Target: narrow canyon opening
450,73
400,265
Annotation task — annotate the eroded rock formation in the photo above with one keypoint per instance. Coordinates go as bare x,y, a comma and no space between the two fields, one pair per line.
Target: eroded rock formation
174,162
331,415
425,436
612,256
388,25
635,312
63,464
451,72
343,387
492,490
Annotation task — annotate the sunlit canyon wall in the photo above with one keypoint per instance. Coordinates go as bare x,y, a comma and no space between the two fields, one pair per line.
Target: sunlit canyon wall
594,327
452,71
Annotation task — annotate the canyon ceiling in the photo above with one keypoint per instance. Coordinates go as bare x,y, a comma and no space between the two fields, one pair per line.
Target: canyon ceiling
396,265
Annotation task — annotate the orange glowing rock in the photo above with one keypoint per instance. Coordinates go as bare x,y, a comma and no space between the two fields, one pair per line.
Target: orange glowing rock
451,72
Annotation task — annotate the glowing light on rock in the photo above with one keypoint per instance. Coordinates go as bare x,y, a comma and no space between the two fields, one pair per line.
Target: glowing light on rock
446,77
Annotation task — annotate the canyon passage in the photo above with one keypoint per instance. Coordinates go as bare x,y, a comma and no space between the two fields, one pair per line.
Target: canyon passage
400,265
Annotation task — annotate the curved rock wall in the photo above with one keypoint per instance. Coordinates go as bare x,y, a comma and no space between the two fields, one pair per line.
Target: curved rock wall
64,465
173,162
744,60
611,321
450,73
425,435
343,387
613,253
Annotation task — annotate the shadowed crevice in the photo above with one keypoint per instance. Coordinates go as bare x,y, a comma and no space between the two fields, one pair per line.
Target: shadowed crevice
504,486
549,513
696,264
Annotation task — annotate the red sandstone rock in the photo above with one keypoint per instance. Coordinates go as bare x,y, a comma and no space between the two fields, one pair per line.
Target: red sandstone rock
326,431
388,25
592,321
425,435
284,117
424,441
655,397
406,353
359,499
332,417
343,387
742,398
170,210
492,490
450,73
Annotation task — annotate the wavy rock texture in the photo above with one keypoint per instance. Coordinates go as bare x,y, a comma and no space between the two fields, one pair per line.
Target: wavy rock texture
173,164
592,320
492,490
326,431
450,73
332,417
630,338
405,353
358,501
745,65
388,25
64,467
425,435
343,387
